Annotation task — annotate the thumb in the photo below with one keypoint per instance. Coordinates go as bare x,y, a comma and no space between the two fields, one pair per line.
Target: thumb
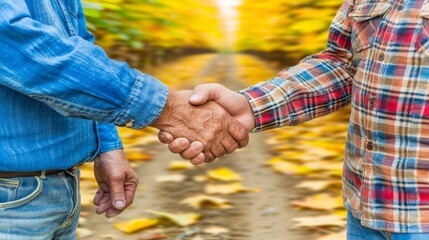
202,94
117,193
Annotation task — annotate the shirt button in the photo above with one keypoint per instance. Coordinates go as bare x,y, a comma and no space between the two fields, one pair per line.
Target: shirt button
400,7
381,57
130,124
372,103
369,146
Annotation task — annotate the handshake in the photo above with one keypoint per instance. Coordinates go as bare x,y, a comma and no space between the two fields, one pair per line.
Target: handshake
205,124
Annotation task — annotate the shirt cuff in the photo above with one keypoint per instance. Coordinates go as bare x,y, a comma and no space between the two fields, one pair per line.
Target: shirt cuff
108,137
263,97
145,104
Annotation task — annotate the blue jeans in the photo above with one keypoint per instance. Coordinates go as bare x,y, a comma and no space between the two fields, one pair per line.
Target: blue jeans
355,231
37,208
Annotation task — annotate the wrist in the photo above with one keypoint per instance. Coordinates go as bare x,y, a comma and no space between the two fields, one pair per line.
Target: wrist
165,116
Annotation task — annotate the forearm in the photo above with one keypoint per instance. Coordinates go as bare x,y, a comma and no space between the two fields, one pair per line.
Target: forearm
319,85
71,75
300,93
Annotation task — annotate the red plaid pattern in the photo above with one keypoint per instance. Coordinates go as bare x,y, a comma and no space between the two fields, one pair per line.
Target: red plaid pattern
378,60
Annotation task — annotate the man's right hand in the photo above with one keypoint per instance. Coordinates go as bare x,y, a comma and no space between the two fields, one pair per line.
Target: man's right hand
210,127
234,103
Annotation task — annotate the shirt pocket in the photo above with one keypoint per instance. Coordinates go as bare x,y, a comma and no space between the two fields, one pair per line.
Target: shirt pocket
422,42
366,19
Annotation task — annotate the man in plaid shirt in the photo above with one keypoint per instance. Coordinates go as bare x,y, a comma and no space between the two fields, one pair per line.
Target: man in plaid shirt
377,59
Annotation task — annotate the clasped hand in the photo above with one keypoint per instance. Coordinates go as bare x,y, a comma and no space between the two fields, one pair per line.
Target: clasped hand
206,124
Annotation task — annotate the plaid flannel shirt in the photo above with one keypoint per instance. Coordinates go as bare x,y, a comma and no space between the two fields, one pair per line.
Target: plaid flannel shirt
377,59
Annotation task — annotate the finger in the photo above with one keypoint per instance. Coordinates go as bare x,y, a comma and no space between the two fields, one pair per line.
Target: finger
131,188
179,145
98,196
218,150
198,159
165,137
117,193
112,212
104,205
230,146
193,151
209,157
238,133
204,93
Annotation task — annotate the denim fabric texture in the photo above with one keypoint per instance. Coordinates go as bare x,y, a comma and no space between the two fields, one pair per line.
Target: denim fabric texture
60,95
355,231
40,209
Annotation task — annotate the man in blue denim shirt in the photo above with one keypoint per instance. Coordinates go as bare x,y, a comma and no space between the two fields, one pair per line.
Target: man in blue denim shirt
60,99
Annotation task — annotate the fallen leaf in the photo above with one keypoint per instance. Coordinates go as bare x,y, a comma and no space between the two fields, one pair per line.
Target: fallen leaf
291,168
274,161
83,232
224,174
180,165
321,201
135,225
201,200
315,185
230,188
320,221
200,178
137,156
170,178
215,230
183,220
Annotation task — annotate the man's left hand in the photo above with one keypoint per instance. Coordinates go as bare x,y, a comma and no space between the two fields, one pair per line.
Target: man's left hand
117,183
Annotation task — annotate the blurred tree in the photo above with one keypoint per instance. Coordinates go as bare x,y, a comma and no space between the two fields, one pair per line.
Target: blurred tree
285,28
154,30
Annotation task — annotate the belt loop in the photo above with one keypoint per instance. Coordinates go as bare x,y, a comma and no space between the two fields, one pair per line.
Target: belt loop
43,175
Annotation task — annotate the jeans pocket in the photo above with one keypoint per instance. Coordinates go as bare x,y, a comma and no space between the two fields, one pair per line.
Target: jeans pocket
8,189
366,19
19,200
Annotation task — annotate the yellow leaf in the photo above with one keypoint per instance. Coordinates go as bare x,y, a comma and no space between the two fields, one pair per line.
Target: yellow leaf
200,178
291,168
170,178
321,201
315,185
215,230
230,188
224,174
320,221
135,225
202,200
274,161
183,220
180,165
137,156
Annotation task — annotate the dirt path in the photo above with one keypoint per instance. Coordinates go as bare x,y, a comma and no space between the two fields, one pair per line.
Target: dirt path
265,215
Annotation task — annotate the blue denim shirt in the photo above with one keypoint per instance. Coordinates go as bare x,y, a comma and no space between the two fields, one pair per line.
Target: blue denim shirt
60,95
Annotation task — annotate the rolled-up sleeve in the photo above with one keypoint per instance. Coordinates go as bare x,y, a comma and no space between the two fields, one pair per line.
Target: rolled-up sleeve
109,138
73,76
318,85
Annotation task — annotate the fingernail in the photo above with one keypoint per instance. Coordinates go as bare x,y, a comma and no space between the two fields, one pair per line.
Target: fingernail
119,204
195,98
196,147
